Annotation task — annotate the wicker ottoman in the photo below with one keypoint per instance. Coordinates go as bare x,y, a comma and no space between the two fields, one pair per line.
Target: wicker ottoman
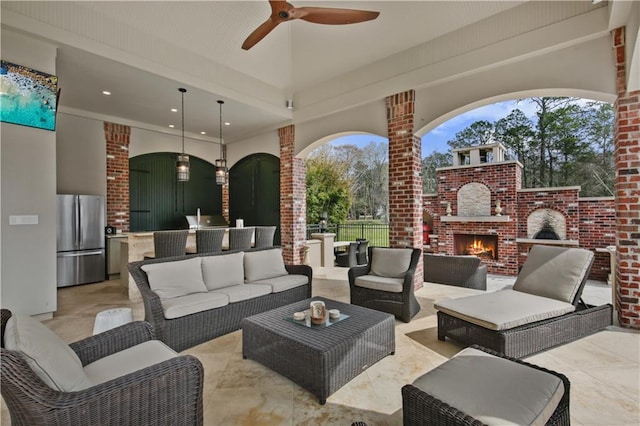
319,359
479,386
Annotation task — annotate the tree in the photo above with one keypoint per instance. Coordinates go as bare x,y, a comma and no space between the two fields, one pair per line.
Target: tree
516,133
430,163
478,133
328,187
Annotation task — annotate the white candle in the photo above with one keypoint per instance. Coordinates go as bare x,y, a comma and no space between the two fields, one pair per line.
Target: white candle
239,223
198,224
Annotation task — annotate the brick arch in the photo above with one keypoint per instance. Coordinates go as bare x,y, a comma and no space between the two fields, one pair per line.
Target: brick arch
329,138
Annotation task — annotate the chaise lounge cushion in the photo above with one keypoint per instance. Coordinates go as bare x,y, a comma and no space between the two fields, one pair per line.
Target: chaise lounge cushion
390,263
494,390
285,282
128,361
375,282
237,293
223,271
48,356
554,272
175,279
504,309
263,264
191,303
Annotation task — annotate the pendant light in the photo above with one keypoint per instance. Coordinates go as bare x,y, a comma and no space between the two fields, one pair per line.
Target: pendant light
221,163
182,163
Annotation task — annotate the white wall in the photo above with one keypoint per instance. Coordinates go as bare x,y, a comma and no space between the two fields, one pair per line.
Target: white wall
81,155
28,172
144,141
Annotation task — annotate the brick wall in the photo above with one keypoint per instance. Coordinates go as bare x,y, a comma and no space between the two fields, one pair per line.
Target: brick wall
405,177
117,138
293,199
627,191
597,230
503,181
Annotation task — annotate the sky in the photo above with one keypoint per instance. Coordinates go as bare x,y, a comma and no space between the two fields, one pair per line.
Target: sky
436,139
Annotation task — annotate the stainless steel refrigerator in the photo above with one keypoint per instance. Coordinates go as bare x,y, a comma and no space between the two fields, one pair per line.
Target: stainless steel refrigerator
80,242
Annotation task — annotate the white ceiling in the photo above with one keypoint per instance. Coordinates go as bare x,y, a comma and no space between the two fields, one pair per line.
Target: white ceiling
142,51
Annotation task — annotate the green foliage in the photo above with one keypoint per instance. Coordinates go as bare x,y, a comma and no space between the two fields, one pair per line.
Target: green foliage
328,188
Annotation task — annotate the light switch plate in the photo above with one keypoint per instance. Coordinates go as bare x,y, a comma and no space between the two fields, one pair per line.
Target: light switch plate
24,220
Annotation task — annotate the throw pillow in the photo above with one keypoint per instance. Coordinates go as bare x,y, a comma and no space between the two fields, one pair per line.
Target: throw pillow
223,270
175,279
48,356
390,262
263,264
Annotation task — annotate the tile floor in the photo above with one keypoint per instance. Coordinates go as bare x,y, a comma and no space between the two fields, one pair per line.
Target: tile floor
603,368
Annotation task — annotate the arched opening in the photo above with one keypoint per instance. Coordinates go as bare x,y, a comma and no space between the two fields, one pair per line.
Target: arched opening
254,191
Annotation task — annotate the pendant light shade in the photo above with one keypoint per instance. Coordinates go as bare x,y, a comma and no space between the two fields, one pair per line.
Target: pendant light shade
182,162
221,163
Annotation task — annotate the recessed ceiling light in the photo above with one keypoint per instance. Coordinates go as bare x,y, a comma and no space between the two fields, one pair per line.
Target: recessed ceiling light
226,123
106,92
172,126
174,109
203,133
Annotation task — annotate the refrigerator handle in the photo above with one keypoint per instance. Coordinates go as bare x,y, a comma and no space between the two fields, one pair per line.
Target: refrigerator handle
79,222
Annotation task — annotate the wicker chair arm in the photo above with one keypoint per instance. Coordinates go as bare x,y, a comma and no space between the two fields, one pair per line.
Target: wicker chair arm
302,270
357,271
168,393
111,341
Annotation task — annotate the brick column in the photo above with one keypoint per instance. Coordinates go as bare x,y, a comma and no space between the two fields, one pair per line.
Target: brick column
627,191
293,198
117,138
405,177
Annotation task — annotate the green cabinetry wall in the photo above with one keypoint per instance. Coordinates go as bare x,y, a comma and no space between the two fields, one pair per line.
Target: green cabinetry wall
158,201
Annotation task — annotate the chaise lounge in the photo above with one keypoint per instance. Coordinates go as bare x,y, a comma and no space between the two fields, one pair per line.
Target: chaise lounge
543,309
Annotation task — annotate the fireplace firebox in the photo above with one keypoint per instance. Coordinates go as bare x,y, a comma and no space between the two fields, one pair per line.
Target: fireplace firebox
483,246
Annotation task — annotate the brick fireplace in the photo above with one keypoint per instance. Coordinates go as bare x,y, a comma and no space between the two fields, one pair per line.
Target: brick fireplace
481,209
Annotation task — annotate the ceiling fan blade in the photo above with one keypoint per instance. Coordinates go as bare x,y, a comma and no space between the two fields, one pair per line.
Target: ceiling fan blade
330,16
259,33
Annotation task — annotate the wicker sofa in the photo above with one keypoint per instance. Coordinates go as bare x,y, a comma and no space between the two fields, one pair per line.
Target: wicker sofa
460,271
194,298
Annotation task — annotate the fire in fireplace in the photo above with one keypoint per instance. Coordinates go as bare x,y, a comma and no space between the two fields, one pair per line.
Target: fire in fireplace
483,246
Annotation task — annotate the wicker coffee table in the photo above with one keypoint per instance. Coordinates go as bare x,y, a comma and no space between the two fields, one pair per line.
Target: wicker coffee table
320,359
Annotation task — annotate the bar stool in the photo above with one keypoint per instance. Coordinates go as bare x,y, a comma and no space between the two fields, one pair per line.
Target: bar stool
168,243
240,238
209,240
264,236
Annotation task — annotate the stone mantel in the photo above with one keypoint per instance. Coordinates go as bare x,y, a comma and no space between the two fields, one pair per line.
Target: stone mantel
490,219
548,242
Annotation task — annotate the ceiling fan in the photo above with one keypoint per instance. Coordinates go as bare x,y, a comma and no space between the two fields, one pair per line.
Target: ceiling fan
282,11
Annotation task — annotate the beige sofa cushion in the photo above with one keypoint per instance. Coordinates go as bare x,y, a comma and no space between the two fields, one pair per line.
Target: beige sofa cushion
48,356
390,262
494,390
263,264
175,279
237,293
504,309
191,303
128,361
223,270
374,282
554,272
284,282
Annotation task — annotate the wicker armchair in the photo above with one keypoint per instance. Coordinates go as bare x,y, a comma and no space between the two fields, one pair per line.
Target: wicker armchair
168,243
240,238
264,236
167,393
209,240
348,258
460,271
369,289
361,253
